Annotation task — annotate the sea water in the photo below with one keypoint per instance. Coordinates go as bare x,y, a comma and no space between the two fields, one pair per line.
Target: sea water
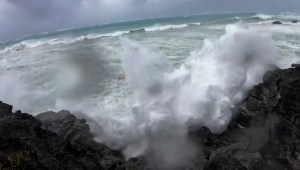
177,70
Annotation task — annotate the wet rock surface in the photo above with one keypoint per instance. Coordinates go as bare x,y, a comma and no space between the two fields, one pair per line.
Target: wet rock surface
263,135
294,21
52,141
267,127
277,22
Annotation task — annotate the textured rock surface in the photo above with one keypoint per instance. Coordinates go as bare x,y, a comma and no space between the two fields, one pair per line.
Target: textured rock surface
266,131
22,133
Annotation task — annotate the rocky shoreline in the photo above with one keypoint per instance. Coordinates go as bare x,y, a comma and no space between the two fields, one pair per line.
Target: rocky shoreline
265,134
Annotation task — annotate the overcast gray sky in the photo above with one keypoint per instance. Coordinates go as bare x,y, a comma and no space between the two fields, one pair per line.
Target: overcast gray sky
26,17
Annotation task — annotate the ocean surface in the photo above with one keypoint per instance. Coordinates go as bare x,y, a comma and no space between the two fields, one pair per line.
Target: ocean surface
79,69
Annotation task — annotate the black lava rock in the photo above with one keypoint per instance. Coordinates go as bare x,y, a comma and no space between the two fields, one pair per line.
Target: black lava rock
27,143
277,22
295,21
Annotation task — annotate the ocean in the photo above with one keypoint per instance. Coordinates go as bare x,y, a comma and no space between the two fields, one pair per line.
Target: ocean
176,69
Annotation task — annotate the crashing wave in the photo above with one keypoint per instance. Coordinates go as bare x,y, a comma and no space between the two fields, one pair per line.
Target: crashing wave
220,74
38,42
289,16
18,47
262,16
165,27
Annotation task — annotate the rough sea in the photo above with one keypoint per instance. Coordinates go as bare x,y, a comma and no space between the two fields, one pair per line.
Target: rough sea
177,70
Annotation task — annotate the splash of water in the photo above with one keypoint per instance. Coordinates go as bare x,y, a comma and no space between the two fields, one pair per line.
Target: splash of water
204,89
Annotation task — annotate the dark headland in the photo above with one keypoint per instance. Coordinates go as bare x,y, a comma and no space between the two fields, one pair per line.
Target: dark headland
264,135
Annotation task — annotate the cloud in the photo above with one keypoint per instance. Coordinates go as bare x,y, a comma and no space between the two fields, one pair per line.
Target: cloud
19,18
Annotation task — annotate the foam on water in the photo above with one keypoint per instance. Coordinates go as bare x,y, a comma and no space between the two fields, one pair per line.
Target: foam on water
262,16
289,16
32,43
165,27
46,39
284,16
203,90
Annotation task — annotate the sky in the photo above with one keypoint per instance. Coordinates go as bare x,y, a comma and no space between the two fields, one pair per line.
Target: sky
27,17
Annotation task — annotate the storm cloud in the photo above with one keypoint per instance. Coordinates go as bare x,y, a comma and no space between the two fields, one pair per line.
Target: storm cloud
26,17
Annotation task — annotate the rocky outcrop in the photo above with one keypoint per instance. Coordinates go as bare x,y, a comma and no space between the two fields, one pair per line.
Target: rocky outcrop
295,21
264,134
58,141
276,22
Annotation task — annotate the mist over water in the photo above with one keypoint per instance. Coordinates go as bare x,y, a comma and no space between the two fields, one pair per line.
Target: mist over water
175,77
203,90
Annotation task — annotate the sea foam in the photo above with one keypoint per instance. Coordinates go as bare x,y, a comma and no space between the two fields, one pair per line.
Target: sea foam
203,90
163,99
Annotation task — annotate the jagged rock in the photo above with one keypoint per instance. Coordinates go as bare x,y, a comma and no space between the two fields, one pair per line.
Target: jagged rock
5,108
21,133
297,66
294,21
279,118
76,131
253,104
225,162
136,164
268,132
65,125
277,22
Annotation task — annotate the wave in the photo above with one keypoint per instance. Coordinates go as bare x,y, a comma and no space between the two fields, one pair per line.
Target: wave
286,29
225,21
25,44
194,24
289,16
165,99
142,30
288,45
137,31
145,29
262,16
282,16
165,27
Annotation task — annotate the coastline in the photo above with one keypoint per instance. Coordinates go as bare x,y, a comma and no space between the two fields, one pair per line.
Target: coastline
265,134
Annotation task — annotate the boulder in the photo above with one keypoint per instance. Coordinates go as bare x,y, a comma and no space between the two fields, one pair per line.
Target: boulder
277,22
296,66
294,21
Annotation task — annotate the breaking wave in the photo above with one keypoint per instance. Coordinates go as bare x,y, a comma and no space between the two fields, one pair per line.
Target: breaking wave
165,98
262,16
203,90
283,16
36,43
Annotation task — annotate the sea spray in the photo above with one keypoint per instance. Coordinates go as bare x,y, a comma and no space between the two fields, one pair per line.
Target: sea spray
12,90
203,90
